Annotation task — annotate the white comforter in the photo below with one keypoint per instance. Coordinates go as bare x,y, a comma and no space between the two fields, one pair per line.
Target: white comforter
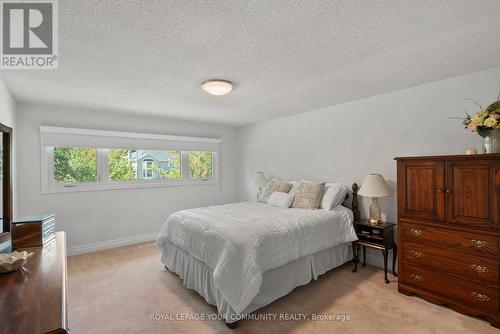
241,241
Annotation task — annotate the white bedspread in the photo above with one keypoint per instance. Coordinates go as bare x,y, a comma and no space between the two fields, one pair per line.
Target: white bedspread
241,241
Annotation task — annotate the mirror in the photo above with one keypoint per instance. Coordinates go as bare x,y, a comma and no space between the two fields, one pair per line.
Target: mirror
5,182
2,229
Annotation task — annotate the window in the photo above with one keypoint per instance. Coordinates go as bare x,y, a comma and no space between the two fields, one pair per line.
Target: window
147,169
78,159
122,165
171,167
126,165
75,165
200,164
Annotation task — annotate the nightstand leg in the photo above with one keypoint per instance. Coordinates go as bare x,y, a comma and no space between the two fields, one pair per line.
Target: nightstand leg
394,256
364,256
384,252
355,256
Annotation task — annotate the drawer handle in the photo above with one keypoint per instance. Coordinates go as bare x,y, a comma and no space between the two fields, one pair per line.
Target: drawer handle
479,269
415,232
416,278
480,297
416,254
479,243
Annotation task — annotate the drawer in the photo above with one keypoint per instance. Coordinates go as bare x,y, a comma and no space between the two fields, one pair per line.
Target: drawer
473,243
480,269
473,295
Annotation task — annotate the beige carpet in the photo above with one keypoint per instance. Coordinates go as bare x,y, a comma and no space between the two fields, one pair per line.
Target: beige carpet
119,290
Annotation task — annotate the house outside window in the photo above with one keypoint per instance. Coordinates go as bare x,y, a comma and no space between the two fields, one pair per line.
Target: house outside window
157,164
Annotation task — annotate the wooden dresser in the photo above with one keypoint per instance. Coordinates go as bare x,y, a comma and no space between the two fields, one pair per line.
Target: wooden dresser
33,299
448,231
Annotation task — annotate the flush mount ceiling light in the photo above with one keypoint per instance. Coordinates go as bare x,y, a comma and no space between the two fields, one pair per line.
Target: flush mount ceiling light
217,87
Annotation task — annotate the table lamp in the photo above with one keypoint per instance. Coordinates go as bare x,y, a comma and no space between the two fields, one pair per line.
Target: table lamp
259,181
375,186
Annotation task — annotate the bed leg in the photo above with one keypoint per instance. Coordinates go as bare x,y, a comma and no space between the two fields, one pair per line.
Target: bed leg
231,325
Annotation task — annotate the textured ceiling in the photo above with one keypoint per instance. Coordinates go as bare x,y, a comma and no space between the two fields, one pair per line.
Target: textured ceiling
285,57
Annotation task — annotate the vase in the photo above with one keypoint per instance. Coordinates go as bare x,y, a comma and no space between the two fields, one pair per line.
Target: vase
491,141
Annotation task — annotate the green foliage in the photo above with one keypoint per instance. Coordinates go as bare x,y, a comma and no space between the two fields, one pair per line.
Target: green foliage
175,171
494,106
72,165
200,164
76,165
120,168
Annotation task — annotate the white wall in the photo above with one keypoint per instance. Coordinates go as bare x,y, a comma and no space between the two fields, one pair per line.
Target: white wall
346,142
126,214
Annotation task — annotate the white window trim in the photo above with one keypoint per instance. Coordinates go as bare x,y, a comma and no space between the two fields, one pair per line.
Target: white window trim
120,134
145,169
49,186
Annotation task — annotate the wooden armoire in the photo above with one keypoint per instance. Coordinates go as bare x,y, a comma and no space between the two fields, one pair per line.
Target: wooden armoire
449,231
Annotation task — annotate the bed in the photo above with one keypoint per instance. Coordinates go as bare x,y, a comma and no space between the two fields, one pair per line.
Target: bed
243,256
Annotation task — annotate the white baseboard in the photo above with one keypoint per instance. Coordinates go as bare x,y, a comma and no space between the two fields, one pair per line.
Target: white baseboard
98,246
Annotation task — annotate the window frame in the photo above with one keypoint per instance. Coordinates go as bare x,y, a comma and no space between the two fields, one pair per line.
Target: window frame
50,185
6,133
146,169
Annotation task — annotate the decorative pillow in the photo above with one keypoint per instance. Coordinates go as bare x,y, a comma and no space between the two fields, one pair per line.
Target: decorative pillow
272,186
281,200
308,195
334,195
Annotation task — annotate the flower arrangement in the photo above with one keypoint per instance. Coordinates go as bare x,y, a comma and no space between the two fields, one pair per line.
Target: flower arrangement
485,120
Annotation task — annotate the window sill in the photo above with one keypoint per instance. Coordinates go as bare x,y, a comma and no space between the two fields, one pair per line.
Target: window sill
125,185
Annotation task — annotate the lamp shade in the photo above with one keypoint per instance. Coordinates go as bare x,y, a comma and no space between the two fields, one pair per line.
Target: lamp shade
259,180
375,186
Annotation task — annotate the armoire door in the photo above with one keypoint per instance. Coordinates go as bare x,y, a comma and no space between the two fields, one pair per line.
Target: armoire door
421,190
470,193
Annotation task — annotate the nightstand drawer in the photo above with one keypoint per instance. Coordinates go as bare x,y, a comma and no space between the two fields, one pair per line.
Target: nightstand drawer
474,295
480,269
472,243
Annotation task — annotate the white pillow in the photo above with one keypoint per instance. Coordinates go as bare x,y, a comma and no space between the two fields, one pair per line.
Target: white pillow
281,200
334,195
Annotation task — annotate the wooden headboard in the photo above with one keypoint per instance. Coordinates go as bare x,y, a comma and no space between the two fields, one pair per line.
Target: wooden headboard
355,205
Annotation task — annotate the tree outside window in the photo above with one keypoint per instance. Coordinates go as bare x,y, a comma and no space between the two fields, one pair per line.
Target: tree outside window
200,164
75,165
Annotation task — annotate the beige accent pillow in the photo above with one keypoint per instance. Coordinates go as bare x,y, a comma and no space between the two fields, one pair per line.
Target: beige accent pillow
308,195
272,186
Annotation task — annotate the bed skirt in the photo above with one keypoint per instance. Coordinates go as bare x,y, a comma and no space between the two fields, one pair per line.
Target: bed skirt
277,282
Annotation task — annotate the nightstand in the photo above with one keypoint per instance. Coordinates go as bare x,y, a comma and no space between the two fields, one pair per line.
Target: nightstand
375,236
